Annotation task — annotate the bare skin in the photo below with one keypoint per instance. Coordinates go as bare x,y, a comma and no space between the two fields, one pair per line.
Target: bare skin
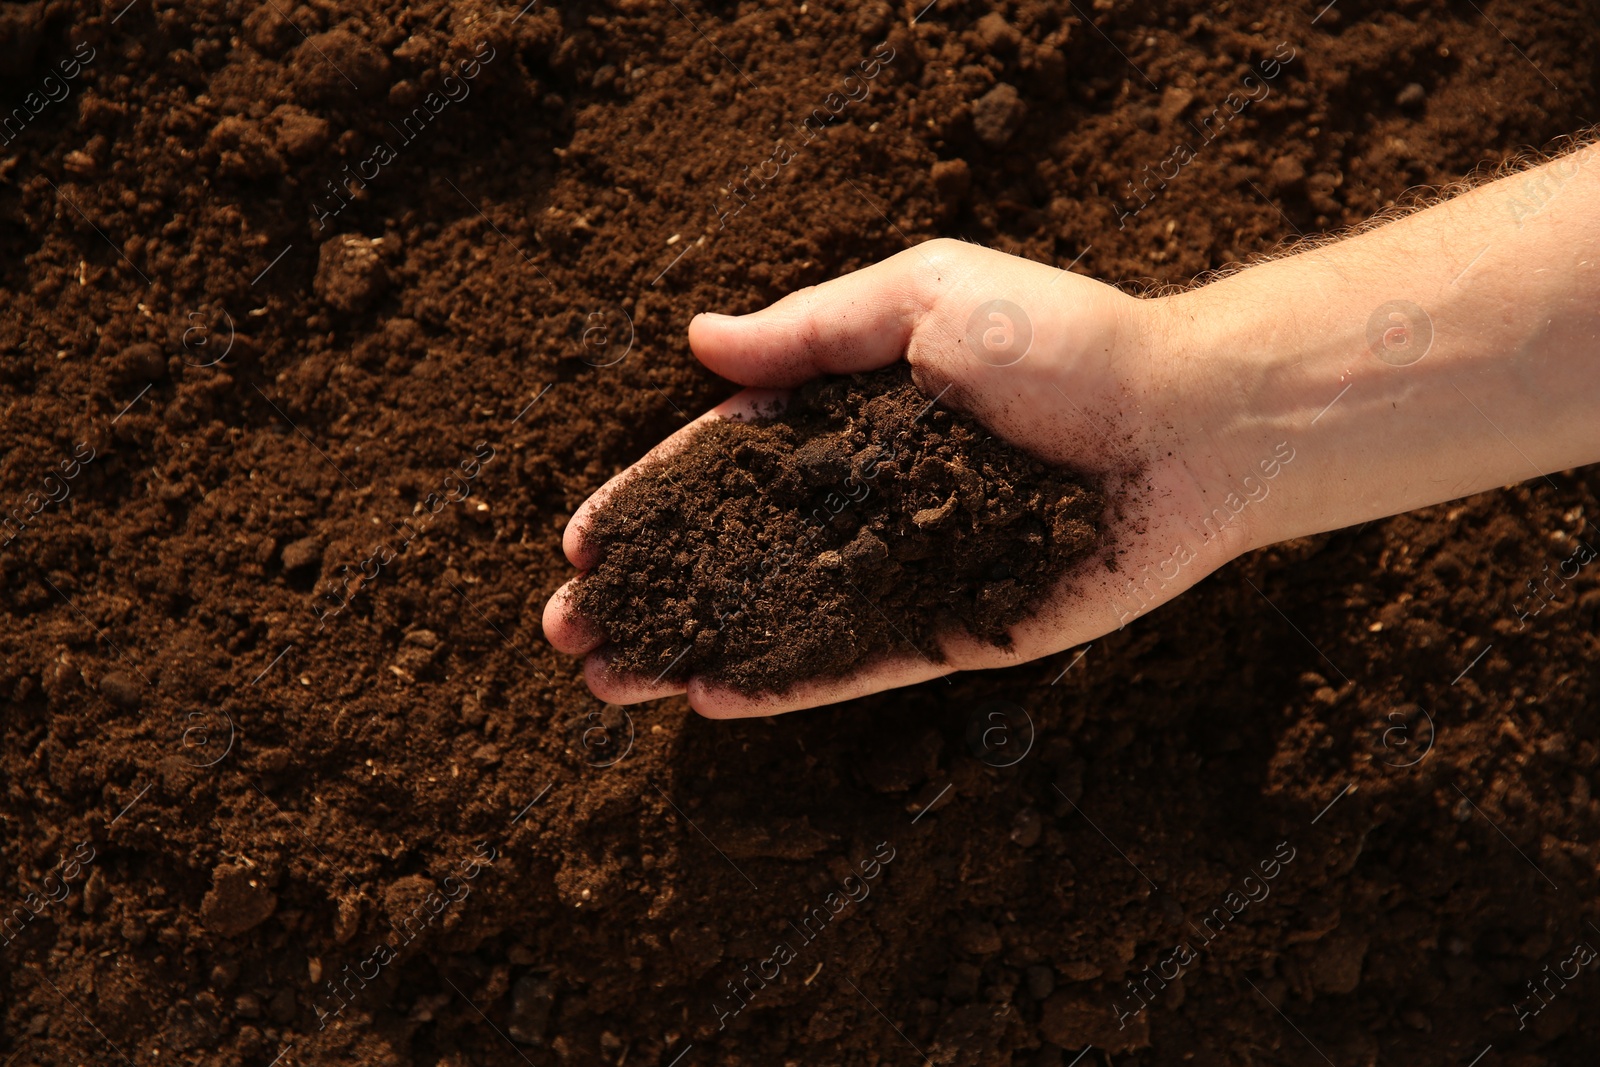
1453,351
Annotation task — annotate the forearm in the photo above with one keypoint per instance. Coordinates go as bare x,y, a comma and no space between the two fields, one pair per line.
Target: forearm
1487,371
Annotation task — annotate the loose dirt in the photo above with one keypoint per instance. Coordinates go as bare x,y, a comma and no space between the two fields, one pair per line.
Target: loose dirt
861,521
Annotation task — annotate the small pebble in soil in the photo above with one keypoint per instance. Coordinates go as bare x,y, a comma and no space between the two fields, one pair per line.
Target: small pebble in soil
237,902
302,553
998,114
123,690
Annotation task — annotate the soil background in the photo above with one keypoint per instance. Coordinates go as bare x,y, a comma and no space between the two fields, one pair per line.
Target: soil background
216,800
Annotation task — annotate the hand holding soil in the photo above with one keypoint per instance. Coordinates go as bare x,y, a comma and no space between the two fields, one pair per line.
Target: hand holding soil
1286,399
1095,355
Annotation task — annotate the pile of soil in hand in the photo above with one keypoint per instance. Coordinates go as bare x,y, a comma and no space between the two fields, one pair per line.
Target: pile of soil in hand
859,520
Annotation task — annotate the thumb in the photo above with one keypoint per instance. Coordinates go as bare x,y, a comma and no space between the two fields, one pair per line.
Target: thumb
854,323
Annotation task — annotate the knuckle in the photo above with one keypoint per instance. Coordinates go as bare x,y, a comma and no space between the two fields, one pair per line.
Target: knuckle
942,252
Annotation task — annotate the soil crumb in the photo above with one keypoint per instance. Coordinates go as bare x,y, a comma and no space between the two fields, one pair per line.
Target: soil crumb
861,519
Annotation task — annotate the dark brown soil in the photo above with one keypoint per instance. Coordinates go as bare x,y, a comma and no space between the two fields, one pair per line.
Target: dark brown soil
218,795
861,521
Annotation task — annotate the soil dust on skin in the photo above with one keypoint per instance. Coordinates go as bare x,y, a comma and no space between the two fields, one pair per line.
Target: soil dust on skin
212,809
864,520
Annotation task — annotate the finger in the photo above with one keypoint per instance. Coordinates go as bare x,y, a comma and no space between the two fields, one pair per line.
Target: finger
574,539
716,701
616,688
565,629
849,324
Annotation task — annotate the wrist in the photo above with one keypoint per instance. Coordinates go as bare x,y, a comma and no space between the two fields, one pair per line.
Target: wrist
1440,355
1398,378
1237,381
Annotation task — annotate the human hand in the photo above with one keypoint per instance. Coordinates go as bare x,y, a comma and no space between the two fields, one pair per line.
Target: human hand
1067,368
